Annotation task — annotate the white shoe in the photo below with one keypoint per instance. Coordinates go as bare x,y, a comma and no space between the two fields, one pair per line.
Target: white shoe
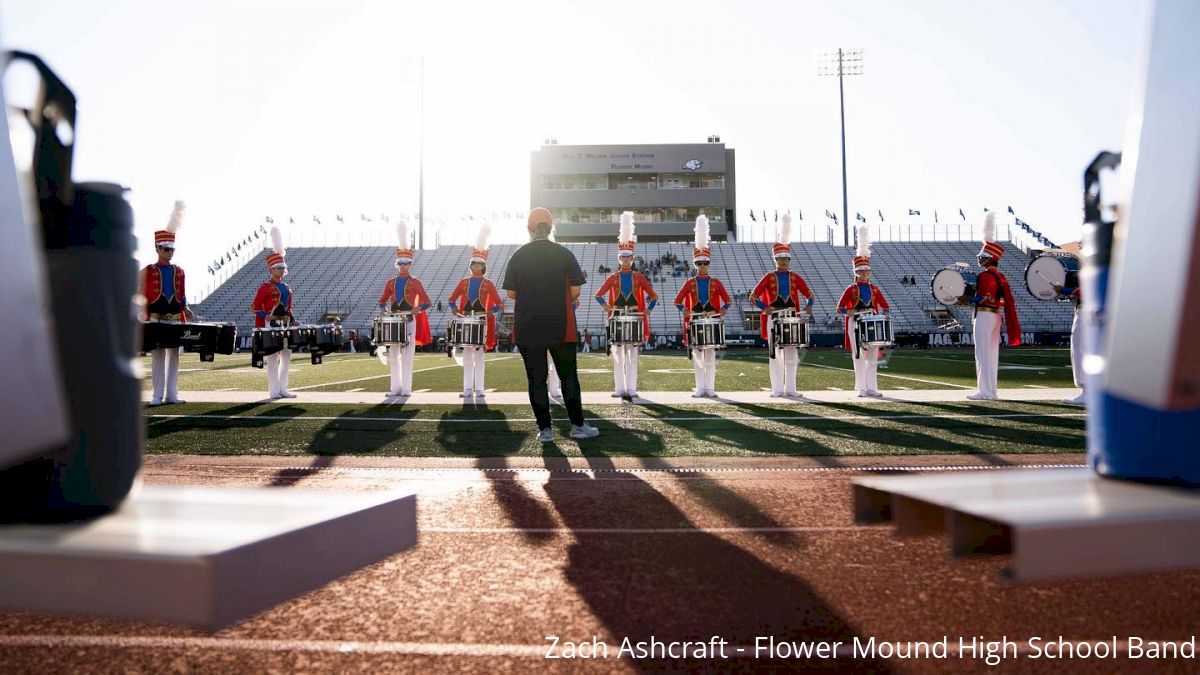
286,394
617,394
584,430
1078,400
154,402
875,393
273,396
794,394
699,394
546,435
863,394
631,394
712,394
478,393
393,394
774,395
465,394
978,396
406,393
175,401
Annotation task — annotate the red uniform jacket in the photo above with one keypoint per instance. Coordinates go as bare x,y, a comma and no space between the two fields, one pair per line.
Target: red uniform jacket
642,290
688,296
488,296
418,299
768,289
849,301
266,300
152,285
995,292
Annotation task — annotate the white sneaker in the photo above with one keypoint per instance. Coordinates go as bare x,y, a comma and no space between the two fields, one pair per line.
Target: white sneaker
286,394
699,394
875,393
712,394
584,430
794,394
393,394
175,401
1078,400
774,395
465,394
617,394
863,394
154,402
478,393
406,393
546,435
978,396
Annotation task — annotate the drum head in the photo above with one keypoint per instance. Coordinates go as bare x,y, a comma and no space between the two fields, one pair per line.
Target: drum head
1042,274
948,286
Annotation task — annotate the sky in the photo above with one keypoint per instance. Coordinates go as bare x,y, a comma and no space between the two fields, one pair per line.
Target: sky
296,108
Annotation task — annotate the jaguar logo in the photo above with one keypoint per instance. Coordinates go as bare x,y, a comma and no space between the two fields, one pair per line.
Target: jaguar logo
693,164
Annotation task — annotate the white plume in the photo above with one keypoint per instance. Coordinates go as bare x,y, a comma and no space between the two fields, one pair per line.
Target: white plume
176,216
989,226
402,232
702,237
277,240
864,241
626,235
784,232
485,233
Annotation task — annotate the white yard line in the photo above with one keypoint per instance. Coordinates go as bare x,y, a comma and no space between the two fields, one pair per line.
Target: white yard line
385,375
895,377
328,418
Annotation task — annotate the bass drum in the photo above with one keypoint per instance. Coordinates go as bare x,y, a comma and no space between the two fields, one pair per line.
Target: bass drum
953,285
1048,270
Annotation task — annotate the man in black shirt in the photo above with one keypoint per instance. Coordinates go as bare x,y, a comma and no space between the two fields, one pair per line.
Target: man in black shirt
544,279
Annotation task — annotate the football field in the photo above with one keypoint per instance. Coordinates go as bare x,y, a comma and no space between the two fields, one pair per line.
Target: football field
230,422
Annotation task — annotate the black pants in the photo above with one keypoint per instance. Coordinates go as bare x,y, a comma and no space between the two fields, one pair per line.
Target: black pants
536,370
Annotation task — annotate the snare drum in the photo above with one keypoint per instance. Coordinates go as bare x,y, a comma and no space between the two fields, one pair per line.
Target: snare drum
788,329
953,285
1048,270
706,332
269,340
327,337
467,331
626,329
157,334
301,336
390,330
873,330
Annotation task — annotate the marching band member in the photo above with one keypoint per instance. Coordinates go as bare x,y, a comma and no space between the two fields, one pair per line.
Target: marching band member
780,290
405,293
477,294
1076,346
626,290
702,295
862,296
162,284
272,306
993,296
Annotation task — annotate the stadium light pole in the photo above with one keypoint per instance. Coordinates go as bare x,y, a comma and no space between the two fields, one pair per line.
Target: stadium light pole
842,62
406,75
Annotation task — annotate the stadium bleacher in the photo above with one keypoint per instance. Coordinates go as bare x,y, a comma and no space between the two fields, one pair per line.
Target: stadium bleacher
348,281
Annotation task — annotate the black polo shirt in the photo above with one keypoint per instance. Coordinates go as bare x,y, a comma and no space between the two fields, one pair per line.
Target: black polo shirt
540,272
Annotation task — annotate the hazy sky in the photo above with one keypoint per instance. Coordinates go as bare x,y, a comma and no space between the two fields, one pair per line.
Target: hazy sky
247,108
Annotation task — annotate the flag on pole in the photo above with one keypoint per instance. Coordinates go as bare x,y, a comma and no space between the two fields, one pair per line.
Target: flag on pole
880,215
914,212
859,216
752,216
935,218
963,215
1010,210
799,214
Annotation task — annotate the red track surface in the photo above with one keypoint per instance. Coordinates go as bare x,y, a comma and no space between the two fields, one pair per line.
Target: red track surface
507,558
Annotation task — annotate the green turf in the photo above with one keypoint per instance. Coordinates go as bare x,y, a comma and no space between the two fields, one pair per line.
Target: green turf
738,370
826,429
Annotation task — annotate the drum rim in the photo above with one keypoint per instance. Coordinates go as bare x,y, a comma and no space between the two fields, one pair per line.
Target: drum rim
1066,272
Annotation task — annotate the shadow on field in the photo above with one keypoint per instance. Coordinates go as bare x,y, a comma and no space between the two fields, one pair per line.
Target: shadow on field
347,434
257,416
1036,431
739,434
683,585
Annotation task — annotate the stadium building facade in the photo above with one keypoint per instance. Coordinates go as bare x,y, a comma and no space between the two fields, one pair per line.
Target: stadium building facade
587,187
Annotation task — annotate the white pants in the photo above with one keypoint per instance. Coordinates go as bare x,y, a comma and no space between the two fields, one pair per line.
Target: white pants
866,364
400,365
625,368
782,367
987,351
1077,349
553,383
704,364
472,369
587,345
164,370
277,365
